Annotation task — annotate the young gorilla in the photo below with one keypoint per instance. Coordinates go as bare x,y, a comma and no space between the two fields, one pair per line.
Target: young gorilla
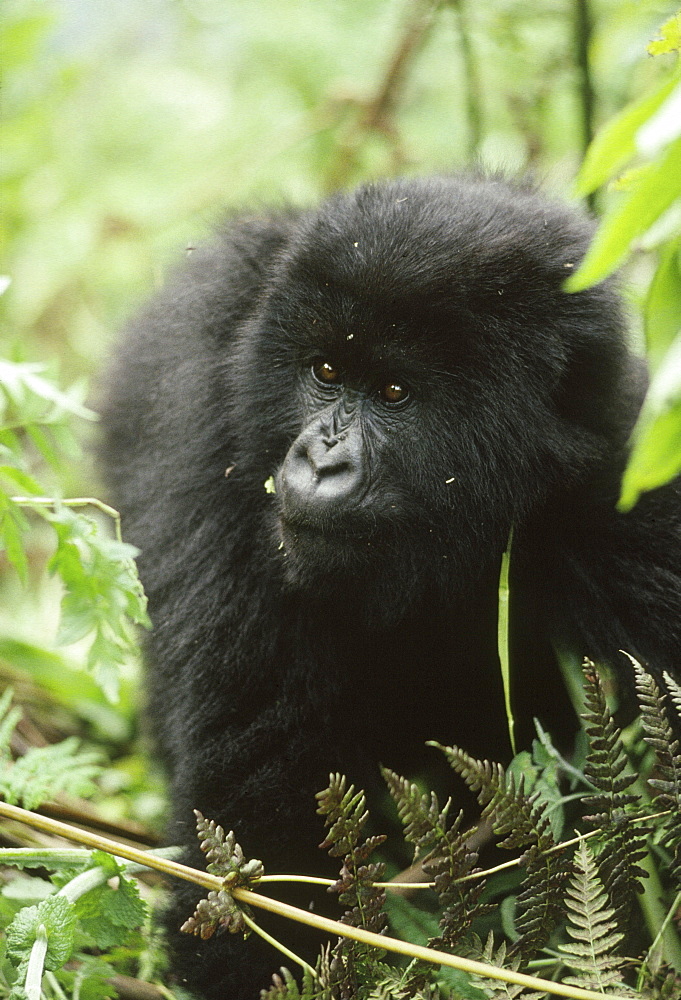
404,362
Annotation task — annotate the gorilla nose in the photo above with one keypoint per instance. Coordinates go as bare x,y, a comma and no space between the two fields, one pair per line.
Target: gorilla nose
320,477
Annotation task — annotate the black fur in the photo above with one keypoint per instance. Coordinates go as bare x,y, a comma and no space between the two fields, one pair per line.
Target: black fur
294,636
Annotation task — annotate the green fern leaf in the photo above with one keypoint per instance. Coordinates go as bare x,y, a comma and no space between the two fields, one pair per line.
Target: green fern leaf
523,822
592,925
495,989
622,844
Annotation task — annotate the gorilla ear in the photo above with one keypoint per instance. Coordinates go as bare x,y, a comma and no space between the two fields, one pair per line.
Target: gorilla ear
602,390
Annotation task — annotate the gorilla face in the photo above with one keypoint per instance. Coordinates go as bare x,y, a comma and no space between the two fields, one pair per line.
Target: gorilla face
427,409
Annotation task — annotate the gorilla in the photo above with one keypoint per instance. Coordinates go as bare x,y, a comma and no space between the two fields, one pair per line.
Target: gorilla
320,436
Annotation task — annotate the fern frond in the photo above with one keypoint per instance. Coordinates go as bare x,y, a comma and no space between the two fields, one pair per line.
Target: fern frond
284,987
345,815
44,772
606,759
425,824
448,857
592,925
219,911
522,820
513,814
540,902
622,843
345,812
658,733
494,988
674,689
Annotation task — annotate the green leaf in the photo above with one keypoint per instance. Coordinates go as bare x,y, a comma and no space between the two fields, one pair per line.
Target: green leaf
657,188
663,304
656,457
20,480
103,593
109,913
663,127
13,526
502,638
615,145
58,916
670,40
19,379
43,772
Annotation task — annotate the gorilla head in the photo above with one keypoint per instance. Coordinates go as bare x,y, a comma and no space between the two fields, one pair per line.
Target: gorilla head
421,370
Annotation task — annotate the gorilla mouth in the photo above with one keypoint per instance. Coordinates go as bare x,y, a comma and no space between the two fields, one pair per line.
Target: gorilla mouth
301,530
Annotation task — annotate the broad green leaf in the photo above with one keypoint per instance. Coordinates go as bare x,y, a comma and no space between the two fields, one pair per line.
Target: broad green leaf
657,189
21,481
663,304
615,145
656,457
663,127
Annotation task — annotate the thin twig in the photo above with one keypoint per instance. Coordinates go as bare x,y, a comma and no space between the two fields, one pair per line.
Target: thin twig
73,502
474,102
586,88
378,110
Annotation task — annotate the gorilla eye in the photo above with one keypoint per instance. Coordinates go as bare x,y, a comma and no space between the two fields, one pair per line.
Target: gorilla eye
394,393
325,373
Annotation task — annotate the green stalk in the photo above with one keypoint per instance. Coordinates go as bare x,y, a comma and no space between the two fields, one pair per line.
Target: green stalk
502,638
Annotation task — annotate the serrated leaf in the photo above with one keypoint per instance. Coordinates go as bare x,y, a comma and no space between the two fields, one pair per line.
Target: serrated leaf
109,913
58,916
103,593
45,771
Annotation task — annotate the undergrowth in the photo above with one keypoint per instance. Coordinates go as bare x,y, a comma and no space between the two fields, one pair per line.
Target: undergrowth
588,906
573,911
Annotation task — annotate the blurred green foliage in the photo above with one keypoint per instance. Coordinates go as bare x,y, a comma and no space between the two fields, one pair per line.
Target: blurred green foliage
646,139
127,127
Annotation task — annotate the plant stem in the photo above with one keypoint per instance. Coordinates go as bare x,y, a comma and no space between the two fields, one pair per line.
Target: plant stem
473,88
36,964
586,90
73,502
279,946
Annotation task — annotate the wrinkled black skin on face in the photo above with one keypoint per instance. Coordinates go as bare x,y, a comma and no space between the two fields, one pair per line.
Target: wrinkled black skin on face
352,615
